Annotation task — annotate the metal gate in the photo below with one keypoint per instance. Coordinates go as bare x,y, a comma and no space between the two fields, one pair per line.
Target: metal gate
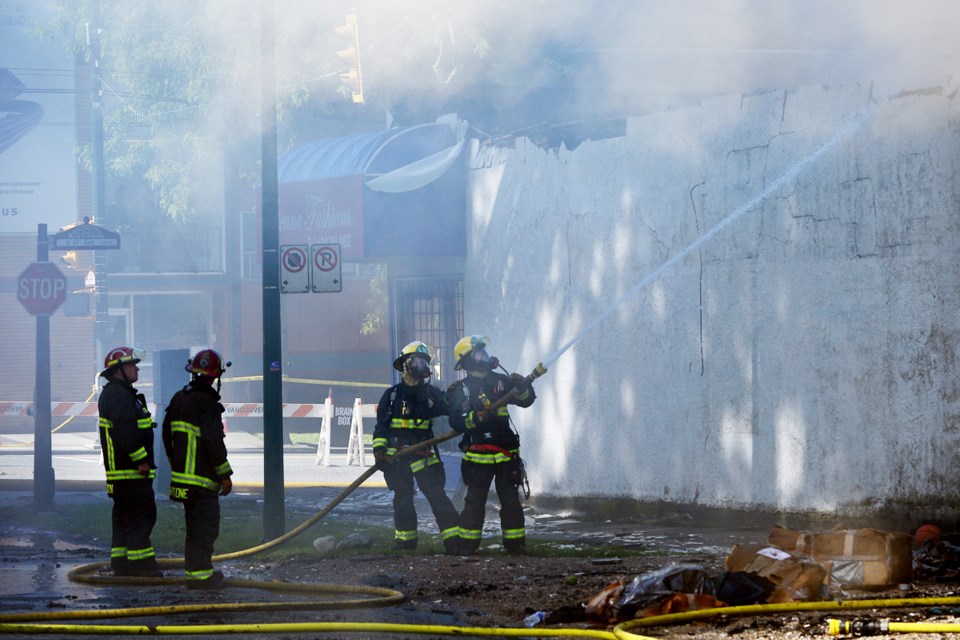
429,310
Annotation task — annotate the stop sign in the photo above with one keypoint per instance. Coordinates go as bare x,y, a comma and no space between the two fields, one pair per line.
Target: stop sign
41,288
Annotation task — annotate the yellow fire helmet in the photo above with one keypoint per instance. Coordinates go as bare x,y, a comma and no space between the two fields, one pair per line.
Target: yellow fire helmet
466,346
414,347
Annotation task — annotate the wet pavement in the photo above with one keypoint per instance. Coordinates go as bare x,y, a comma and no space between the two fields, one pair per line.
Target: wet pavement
34,564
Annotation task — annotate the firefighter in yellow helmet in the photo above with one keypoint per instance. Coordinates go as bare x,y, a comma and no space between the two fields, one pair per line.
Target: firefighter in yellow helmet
126,439
405,416
491,448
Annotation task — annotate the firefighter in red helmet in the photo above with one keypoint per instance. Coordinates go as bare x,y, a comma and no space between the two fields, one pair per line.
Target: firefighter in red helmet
126,440
193,438
405,417
491,448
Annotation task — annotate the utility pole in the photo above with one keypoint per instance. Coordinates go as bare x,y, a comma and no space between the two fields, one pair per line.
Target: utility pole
273,508
44,483
101,325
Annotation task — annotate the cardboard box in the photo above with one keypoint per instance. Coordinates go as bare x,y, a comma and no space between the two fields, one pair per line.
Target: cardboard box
855,557
797,579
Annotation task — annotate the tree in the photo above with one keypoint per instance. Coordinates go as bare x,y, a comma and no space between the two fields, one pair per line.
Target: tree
181,78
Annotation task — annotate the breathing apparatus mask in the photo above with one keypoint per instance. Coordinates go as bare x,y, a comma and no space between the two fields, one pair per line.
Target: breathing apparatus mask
480,361
418,367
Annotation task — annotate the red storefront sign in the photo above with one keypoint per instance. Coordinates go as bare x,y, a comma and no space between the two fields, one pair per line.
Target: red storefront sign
328,211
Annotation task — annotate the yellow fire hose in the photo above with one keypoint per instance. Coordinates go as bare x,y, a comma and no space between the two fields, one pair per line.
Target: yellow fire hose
883,627
622,631
30,623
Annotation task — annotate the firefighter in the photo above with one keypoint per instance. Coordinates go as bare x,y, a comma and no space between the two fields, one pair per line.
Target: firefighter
491,448
405,417
200,473
126,440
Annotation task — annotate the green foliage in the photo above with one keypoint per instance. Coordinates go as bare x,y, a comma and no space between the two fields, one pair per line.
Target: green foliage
376,317
181,83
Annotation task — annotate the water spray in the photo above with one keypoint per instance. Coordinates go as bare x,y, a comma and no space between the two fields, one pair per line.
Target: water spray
541,368
844,133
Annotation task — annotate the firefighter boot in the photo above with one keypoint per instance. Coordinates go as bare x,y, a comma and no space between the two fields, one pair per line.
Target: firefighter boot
405,545
453,547
214,582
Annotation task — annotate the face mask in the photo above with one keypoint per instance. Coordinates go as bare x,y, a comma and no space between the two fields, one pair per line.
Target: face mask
418,368
480,360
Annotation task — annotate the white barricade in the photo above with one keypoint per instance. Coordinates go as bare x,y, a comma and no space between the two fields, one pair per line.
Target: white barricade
323,444
356,447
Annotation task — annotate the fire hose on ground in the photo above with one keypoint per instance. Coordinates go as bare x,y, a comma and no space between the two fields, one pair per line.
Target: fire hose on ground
44,622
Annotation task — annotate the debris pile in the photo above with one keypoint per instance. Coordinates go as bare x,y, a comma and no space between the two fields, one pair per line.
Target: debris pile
790,566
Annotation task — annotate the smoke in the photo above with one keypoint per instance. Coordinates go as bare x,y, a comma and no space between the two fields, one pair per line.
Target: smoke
597,58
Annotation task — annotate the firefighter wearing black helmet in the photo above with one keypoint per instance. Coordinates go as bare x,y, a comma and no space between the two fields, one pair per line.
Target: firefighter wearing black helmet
491,448
405,417
200,473
126,440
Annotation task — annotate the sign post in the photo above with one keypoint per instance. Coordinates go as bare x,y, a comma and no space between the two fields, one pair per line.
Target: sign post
41,289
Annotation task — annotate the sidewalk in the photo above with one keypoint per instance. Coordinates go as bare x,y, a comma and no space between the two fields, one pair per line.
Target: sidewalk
79,442
78,466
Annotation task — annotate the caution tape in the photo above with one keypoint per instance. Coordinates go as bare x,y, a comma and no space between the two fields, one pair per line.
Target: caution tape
328,383
255,410
57,409
235,410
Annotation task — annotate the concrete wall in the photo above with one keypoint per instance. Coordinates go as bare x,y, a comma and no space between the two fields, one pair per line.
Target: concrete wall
786,337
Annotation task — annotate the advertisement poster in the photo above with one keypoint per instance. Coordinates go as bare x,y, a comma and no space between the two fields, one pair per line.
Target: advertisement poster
38,177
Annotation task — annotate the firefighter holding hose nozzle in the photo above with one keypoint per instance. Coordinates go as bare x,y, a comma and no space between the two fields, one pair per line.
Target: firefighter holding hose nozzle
491,448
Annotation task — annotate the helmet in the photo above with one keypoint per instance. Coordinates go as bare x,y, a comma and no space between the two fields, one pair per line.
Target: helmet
415,347
119,356
207,363
467,346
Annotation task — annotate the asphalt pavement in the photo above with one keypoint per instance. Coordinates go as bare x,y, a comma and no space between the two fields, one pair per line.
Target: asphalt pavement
78,466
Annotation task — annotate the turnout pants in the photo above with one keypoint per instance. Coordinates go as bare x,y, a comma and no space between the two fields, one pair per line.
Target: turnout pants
430,478
134,516
477,478
202,514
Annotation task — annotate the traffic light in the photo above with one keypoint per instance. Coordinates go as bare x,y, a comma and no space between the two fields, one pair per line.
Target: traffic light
351,55
69,259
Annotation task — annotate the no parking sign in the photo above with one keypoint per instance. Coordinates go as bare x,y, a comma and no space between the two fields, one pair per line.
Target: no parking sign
314,268
326,268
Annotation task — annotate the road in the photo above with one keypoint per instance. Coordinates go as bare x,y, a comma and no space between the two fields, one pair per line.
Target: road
77,463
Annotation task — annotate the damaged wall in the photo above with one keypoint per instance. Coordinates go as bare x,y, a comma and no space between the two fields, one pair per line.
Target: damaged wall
789,335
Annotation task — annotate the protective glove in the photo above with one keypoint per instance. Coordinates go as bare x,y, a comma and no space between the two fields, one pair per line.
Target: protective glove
380,459
518,380
479,417
144,469
226,486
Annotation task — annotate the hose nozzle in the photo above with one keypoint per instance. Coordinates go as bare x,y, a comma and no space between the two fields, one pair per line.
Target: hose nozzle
538,371
857,627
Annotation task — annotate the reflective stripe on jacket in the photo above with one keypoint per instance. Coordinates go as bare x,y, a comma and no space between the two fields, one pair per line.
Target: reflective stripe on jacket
473,394
193,438
126,432
405,415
